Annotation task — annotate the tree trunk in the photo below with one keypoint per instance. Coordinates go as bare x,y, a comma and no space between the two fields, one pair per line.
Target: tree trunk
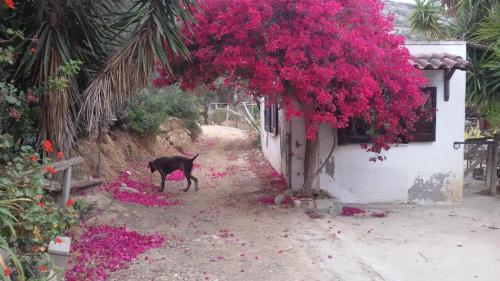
205,113
310,160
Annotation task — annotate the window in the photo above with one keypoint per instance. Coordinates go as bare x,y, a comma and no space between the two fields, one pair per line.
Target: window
271,118
354,133
425,127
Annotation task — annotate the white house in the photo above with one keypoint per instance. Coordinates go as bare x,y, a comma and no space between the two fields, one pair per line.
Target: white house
429,170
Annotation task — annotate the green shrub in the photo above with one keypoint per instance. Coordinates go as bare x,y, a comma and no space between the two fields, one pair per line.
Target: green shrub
218,116
29,217
145,112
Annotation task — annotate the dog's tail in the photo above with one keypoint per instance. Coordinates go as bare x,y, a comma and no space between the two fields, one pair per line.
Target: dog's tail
192,159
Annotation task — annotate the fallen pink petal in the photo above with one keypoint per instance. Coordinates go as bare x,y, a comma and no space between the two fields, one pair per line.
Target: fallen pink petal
103,249
351,211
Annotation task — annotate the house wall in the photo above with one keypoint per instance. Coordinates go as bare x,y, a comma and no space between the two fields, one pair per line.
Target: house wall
416,172
272,144
289,142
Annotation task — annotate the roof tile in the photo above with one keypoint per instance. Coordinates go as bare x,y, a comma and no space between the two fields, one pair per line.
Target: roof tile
439,61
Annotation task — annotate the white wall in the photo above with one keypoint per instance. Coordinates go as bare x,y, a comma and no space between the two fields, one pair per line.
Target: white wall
435,166
431,172
271,144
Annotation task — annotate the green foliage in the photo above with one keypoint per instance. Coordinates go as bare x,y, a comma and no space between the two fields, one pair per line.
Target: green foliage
147,111
426,19
478,22
493,117
61,79
218,116
18,113
473,132
29,217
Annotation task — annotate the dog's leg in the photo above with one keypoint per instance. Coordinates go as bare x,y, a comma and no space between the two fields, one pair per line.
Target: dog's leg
188,178
187,173
163,176
195,183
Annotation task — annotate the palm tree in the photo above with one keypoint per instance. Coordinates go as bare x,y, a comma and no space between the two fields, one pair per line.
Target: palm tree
117,41
477,22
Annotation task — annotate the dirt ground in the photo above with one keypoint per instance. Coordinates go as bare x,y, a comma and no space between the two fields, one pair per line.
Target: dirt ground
221,233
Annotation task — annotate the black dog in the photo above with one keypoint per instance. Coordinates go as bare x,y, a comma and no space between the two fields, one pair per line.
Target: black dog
166,165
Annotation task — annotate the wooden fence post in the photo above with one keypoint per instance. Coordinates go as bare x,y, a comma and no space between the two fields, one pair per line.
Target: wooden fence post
493,168
65,188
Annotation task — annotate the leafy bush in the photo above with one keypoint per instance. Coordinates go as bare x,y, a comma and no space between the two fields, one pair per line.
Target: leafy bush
145,112
18,113
29,217
218,116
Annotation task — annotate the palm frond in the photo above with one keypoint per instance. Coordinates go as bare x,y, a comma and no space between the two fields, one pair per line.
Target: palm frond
63,31
483,80
426,20
156,26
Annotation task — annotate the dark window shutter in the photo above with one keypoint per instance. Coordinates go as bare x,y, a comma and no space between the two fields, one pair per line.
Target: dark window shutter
425,127
267,117
274,119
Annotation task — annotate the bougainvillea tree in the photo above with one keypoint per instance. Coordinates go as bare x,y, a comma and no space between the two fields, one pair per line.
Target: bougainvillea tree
324,60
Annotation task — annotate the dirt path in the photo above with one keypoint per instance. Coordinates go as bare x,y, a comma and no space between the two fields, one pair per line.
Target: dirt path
220,232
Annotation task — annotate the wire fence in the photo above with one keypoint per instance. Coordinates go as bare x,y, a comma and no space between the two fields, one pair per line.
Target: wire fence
243,115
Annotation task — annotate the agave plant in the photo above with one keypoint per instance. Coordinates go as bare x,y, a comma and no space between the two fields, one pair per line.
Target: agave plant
117,41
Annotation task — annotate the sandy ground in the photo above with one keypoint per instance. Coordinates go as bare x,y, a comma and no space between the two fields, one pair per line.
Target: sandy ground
221,233
417,242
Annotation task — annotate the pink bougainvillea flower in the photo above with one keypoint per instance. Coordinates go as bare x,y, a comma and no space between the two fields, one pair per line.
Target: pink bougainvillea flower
103,249
145,195
9,3
267,200
338,60
178,175
59,155
351,211
47,146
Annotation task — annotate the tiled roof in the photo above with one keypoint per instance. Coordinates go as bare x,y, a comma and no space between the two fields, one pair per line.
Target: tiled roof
439,61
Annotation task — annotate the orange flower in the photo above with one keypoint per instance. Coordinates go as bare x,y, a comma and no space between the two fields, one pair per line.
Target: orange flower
41,204
47,146
9,3
70,202
60,155
58,240
7,271
33,50
50,170
42,268
34,158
